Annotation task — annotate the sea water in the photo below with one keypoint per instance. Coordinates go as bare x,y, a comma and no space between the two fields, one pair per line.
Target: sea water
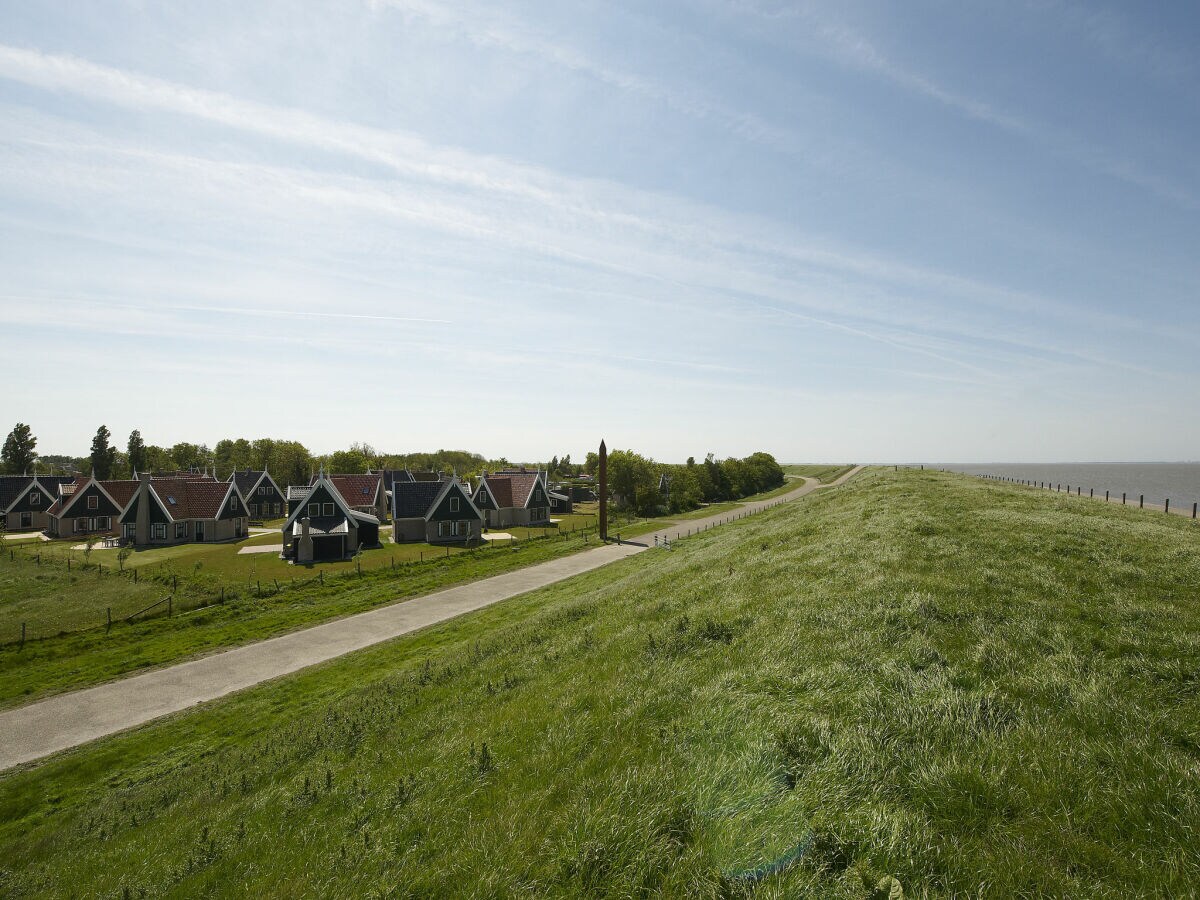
1177,482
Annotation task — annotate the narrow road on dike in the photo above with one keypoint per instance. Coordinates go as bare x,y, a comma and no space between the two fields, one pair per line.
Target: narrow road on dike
68,720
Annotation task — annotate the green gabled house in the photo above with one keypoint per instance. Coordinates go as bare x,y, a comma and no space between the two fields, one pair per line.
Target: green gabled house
437,512
264,498
323,526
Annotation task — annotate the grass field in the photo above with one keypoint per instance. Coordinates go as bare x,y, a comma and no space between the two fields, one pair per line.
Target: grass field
823,473
970,688
51,662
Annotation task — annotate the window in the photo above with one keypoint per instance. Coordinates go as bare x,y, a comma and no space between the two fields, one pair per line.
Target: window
253,507
180,530
233,504
314,510
158,531
102,523
35,499
81,525
453,504
129,531
441,529
329,509
262,492
93,502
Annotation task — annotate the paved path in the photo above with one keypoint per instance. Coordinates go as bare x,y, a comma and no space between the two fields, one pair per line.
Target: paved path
68,720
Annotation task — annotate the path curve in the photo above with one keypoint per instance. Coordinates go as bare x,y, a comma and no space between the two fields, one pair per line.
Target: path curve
68,720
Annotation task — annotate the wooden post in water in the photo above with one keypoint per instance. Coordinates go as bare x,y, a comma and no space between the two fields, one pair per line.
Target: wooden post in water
1141,501
1167,505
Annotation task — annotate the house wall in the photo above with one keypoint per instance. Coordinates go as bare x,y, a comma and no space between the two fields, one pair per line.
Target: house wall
468,530
408,530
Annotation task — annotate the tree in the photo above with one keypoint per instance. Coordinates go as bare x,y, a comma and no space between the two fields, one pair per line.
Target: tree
18,454
103,456
347,461
553,467
136,449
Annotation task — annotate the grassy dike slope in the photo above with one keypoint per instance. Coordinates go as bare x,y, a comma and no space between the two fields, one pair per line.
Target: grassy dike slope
970,687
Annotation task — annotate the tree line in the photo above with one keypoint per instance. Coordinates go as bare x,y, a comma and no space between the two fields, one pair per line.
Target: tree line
289,462
636,482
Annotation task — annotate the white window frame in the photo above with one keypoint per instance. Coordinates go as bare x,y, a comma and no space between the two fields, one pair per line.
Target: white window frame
158,531
233,504
180,530
453,504
314,510
35,498
81,525
441,529
93,501
327,509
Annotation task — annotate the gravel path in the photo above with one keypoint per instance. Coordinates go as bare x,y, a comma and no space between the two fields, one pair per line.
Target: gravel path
68,720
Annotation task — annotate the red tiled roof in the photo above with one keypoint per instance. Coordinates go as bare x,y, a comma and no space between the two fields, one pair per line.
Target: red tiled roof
121,491
193,498
502,490
522,485
357,490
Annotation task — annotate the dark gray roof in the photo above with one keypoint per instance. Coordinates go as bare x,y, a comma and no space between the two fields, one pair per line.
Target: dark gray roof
246,480
412,499
391,476
12,487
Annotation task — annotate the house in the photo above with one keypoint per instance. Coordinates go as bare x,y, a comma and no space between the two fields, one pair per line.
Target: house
26,499
513,497
560,501
89,507
183,510
363,492
324,526
264,499
439,512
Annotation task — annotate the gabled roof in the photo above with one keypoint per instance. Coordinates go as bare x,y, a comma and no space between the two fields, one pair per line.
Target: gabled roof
12,488
246,480
413,499
419,499
120,492
190,498
512,489
344,509
298,491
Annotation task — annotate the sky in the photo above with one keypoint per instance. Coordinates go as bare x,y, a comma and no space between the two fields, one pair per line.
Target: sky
843,231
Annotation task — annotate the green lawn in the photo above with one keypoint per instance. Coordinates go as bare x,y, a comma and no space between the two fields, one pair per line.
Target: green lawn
973,689
51,600
823,473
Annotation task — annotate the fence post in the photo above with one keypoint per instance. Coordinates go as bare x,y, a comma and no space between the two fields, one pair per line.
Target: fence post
1106,496
1167,505
170,604
1141,501
1122,498
1194,505
1091,493
135,576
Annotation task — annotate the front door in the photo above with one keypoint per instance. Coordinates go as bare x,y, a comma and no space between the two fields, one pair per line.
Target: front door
199,531
26,520
237,528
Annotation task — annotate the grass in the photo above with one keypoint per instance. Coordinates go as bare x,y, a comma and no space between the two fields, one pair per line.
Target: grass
51,662
969,688
823,473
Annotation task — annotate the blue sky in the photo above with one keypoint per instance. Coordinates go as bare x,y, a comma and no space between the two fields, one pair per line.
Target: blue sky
834,231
